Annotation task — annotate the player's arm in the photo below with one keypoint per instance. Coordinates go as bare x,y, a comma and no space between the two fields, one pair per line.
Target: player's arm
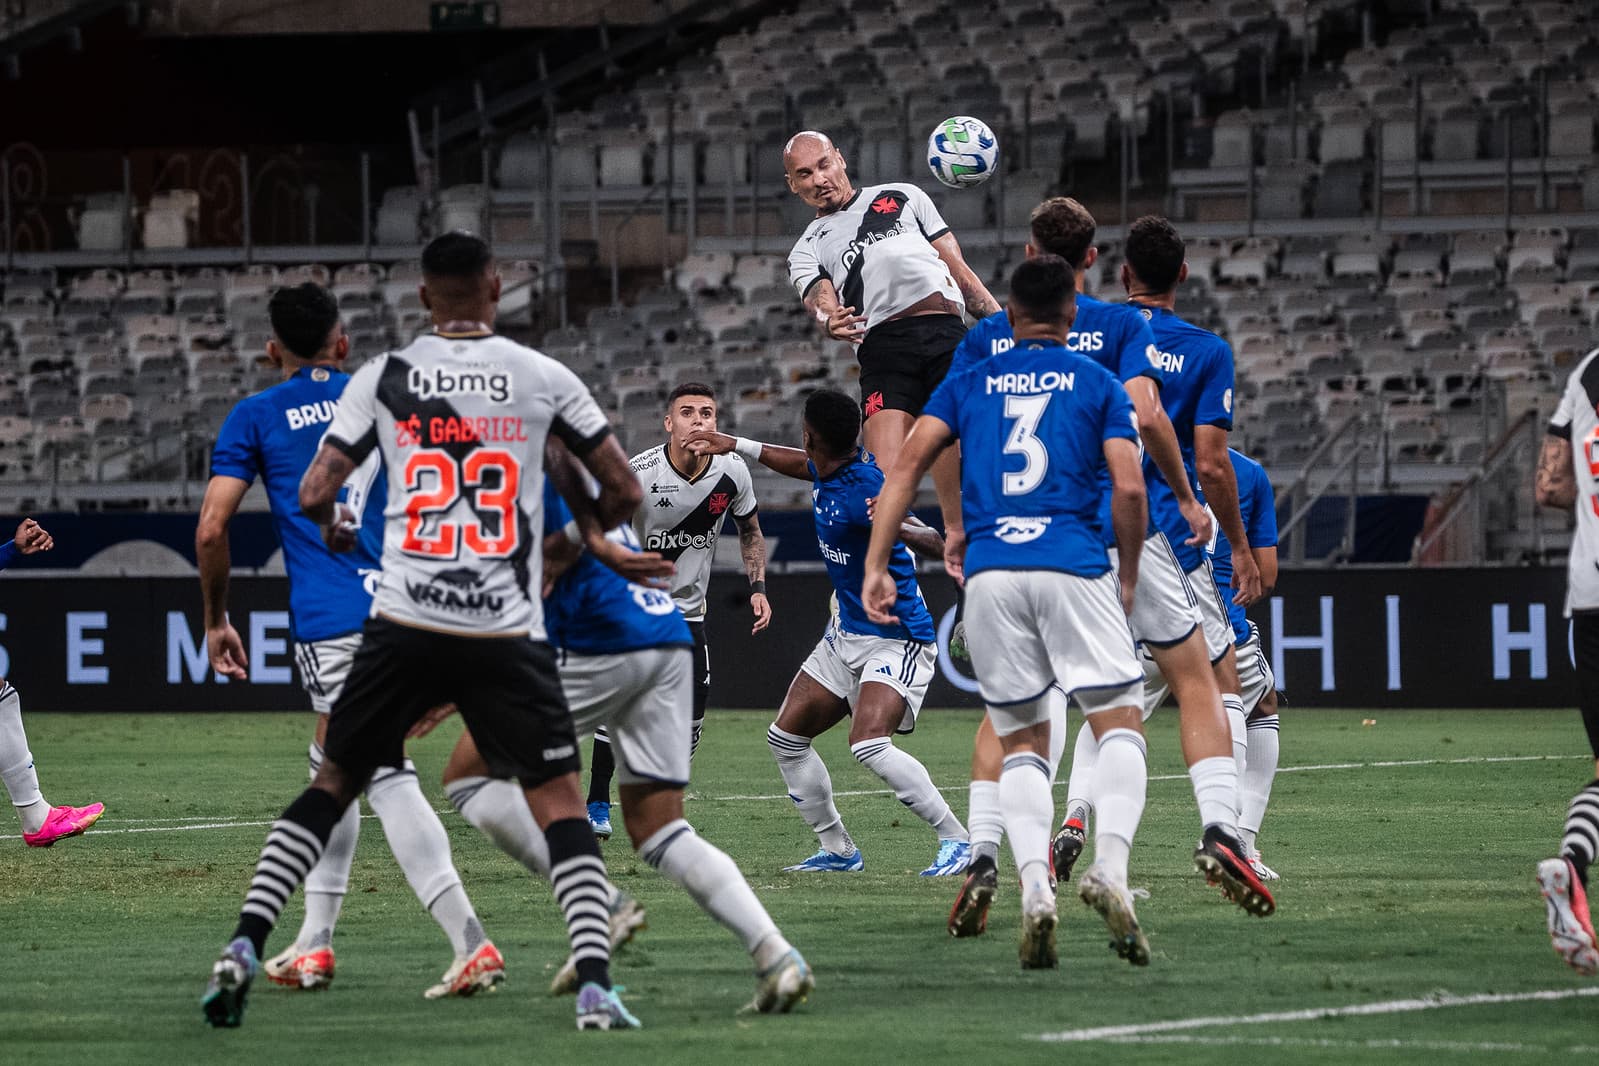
561,553
1129,511
1220,484
752,548
620,492
929,437
31,537
1556,481
587,532
319,494
790,462
1160,440
980,303
921,538
211,550
1266,560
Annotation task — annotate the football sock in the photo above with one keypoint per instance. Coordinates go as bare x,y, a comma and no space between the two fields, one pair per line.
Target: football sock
329,879
695,733
713,881
810,786
1029,810
1254,785
293,845
498,810
1079,786
1056,702
1581,841
1123,776
1237,724
1215,782
602,767
578,877
909,779
422,848
985,819
16,764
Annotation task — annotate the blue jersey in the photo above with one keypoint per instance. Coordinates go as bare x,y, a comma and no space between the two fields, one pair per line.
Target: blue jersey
274,435
1197,367
593,610
1259,510
1115,336
843,532
1032,422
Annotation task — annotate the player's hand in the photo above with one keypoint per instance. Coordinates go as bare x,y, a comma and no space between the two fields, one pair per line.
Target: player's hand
843,324
762,608
31,537
878,595
708,442
430,721
1129,583
341,535
1246,578
641,568
1198,518
955,553
226,652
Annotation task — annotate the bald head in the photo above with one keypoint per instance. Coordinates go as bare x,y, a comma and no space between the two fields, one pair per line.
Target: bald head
816,171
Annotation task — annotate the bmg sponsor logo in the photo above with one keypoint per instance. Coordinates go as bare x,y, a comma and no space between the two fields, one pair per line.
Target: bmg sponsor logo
442,382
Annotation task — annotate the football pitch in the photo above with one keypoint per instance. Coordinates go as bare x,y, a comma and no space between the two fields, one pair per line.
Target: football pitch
1409,925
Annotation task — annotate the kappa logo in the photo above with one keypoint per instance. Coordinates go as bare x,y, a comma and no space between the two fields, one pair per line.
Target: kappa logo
717,502
473,379
664,501
1013,529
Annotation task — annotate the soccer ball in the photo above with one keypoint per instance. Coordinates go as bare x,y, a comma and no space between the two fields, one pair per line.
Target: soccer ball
962,152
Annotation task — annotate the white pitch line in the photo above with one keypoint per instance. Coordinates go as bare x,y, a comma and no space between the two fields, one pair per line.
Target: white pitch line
1435,1001
1398,763
1187,1040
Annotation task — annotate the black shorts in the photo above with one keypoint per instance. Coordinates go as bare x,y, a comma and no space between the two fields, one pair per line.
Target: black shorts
903,361
702,669
507,688
1585,648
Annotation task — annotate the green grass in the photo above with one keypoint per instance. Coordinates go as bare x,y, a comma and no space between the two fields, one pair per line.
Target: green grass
1398,881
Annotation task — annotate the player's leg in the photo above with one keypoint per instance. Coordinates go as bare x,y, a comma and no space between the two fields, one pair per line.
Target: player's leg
814,704
1258,687
1218,629
42,824
702,686
1121,785
893,678
1563,879
602,770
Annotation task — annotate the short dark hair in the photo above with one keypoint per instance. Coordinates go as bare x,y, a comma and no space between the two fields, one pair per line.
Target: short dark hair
835,418
689,388
302,317
456,254
1155,253
1043,287
1062,226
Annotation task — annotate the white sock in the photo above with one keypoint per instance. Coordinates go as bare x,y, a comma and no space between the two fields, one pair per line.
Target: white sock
1254,787
422,848
329,879
1237,720
1080,785
16,764
714,882
1024,796
984,818
1215,782
1123,776
498,810
909,779
810,786
1057,704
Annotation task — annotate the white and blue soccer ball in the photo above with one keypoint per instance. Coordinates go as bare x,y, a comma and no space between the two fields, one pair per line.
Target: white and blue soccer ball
962,152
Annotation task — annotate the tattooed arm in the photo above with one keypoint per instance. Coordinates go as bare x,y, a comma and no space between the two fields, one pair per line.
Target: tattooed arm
980,303
752,546
1556,483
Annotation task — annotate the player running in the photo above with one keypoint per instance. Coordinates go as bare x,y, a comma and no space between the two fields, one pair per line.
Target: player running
627,661
273,436
42,824
1039,428
879,269
461,417
686,497
874,674
1566,478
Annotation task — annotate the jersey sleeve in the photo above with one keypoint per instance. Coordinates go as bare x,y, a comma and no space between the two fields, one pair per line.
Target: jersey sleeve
1262,526
942,404
1560,421
927,217
1119,421
1215,406
354,430
804,266
974,347
1136,353
578,420
744,499
235,454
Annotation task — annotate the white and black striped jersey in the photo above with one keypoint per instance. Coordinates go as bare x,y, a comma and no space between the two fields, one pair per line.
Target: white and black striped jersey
1577,420
461,421
682,515
877,251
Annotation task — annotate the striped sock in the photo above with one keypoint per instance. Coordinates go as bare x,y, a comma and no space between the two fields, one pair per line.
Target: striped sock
293,846
1581,841
578,876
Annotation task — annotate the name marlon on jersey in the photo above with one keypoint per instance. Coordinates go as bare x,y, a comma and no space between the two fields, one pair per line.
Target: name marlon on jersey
1030,382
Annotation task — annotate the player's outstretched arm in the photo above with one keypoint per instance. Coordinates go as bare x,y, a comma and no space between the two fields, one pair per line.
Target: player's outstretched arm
929,437
790,462
211,550
1556,481
1220,485
1160,440
1129,511
979,301
566,475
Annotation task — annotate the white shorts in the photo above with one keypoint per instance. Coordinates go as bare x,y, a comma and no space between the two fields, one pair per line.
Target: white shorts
1029,629
842,662
1165,609
1212,611
645,701
324,664
1255,679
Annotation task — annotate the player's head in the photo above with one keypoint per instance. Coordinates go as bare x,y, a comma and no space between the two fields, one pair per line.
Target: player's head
690,408
1062,226
1043,298
459,279
305,327
832,425
1154,263
816,171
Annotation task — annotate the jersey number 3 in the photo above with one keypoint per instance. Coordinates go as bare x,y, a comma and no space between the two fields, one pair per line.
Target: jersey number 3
1028,411
433,484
